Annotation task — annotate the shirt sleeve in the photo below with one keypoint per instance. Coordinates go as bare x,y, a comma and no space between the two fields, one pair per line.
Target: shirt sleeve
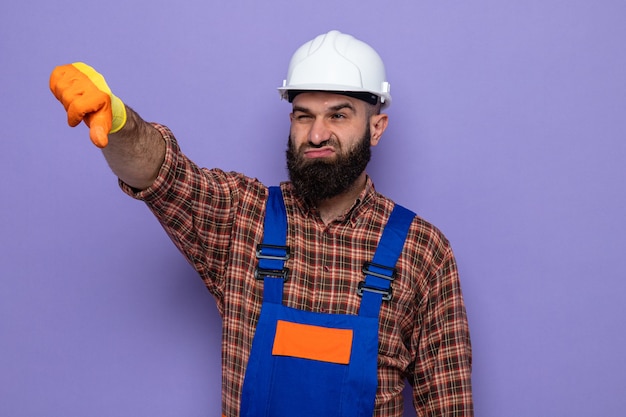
442,374
197,209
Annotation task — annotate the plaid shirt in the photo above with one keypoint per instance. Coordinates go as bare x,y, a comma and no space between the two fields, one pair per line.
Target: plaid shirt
215,219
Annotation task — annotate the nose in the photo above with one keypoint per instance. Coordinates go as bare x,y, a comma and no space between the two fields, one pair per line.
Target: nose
319,133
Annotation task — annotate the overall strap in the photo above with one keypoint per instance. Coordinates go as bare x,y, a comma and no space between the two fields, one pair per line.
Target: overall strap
381,271
273,252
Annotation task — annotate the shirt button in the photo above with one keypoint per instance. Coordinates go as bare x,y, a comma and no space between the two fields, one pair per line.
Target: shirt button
326,268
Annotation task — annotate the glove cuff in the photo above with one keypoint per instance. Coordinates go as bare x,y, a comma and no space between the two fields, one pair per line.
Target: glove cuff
118,110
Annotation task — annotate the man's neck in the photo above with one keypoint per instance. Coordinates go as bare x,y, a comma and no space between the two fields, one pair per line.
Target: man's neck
332,208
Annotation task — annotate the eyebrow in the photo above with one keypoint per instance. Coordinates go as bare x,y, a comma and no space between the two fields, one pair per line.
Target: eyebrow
335,108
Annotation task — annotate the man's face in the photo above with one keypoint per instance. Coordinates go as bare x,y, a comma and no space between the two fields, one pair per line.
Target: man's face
329,144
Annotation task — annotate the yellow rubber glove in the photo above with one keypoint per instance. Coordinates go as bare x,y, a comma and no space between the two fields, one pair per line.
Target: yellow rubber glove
86,96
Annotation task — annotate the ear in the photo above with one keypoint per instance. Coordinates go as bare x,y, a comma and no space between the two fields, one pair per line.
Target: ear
378,124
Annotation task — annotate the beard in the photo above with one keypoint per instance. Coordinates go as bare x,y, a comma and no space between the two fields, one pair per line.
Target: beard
316,180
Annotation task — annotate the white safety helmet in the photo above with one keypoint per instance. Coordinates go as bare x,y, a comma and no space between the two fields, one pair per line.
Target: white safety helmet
337,62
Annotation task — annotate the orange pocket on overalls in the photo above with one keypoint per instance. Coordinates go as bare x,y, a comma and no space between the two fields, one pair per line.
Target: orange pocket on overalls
312,342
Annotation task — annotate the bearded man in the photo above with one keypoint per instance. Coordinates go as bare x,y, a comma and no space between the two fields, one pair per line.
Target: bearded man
331,295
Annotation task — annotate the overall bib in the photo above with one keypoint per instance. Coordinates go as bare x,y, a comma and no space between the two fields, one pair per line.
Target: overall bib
309,364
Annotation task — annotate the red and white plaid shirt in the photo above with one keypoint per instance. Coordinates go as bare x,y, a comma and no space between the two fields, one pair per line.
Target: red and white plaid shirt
215,219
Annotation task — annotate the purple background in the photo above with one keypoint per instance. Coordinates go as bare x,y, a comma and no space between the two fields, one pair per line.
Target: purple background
507,131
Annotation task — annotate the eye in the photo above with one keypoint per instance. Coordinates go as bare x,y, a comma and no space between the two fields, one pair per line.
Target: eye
302,116
338,116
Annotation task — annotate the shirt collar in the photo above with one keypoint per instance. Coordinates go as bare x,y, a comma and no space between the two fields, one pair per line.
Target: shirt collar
360,206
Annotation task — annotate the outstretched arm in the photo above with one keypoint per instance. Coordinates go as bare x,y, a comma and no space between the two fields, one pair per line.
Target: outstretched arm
136,152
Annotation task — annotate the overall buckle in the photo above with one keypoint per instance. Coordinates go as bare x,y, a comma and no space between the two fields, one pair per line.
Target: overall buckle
272,253
383,272
261,273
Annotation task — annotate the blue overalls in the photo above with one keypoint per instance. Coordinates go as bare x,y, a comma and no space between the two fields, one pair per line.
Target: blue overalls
309,364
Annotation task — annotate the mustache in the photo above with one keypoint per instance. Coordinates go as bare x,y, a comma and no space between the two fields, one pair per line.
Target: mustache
333,143
328,142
